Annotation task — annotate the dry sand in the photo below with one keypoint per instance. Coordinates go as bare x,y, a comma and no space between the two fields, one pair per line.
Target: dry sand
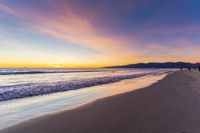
171,105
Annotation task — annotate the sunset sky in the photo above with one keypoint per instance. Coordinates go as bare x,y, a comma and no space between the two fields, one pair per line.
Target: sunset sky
96,33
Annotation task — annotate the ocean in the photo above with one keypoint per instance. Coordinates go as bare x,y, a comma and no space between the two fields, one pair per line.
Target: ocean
30,93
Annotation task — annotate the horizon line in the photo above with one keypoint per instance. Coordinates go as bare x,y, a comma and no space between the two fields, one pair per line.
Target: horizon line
90,67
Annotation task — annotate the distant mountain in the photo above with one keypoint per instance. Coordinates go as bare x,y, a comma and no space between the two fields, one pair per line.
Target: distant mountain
159,65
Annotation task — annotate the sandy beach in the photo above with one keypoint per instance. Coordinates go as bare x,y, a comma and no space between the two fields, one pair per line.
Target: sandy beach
171,105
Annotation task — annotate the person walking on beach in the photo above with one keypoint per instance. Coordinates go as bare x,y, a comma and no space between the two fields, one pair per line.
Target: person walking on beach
199,68
189,68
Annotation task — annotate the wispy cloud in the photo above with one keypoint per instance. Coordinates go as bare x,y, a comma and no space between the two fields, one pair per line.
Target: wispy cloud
124,32
68,26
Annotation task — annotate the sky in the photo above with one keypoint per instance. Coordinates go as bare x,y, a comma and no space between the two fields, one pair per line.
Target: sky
97,33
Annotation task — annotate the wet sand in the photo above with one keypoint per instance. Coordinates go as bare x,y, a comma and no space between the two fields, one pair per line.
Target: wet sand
171,105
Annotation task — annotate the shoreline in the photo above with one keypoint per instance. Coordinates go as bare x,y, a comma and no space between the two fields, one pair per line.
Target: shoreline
18,91
22,110
150,109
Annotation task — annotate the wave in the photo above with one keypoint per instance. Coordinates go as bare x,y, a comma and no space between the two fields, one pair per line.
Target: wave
33,89
45,72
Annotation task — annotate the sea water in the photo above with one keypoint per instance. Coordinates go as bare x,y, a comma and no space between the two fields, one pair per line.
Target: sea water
30,93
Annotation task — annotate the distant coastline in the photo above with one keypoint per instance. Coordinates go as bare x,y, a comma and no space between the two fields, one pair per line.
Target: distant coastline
159,65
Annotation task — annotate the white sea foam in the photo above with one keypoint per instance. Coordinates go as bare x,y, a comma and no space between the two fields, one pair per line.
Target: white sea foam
25,83
18,110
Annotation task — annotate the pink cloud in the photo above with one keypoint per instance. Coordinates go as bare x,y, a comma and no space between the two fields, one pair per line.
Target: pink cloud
63,23
68,26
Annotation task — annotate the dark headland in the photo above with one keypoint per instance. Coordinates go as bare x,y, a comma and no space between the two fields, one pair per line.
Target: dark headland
159,65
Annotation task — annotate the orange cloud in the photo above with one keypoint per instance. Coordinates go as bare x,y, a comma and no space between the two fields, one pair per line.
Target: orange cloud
64,24
70,27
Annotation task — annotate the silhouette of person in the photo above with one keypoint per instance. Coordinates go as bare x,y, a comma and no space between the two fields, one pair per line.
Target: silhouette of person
189,68
199,68
181,68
